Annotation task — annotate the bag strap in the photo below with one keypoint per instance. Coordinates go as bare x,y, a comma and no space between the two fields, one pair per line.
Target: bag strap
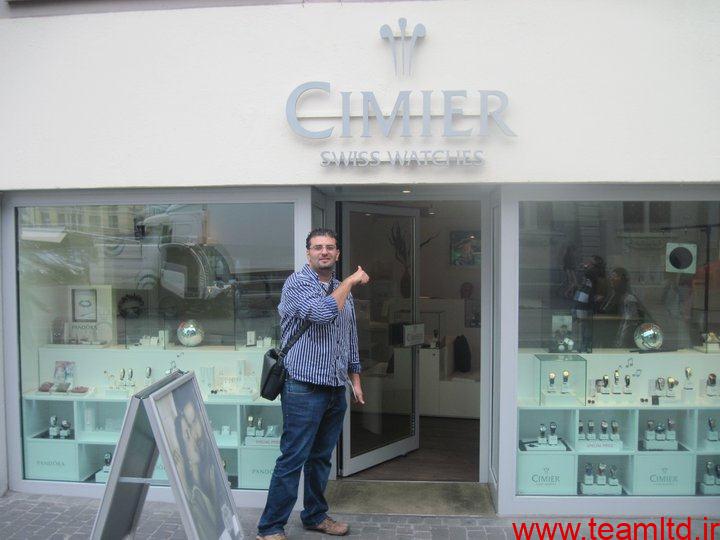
300,331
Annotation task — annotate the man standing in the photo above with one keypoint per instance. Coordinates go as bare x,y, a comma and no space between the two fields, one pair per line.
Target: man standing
319,366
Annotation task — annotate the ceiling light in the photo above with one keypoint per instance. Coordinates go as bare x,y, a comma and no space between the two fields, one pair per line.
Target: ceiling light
406,191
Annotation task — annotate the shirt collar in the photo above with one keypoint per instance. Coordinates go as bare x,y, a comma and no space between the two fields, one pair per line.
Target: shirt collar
309,271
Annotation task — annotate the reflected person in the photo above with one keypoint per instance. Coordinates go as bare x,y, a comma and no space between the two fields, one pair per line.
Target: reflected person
623,302
588,296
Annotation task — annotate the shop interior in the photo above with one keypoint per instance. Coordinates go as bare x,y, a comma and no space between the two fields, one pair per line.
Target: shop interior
448,296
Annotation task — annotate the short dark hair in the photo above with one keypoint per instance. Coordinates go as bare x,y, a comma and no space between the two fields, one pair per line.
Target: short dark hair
320,231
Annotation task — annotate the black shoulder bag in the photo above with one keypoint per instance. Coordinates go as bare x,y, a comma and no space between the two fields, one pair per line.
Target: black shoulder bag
274,372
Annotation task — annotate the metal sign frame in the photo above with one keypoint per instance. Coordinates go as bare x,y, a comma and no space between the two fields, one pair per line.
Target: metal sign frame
142,439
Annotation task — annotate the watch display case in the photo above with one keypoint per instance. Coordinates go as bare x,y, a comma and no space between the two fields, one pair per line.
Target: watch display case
561,379
114,307
656,444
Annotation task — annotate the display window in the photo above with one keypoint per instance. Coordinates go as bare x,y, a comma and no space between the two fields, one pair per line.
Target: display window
112,298
619,348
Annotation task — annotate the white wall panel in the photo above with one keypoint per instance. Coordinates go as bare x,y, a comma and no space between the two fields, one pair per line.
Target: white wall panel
3,430
599,91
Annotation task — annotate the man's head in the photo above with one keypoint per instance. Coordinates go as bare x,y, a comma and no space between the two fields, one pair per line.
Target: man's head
322,249
620,279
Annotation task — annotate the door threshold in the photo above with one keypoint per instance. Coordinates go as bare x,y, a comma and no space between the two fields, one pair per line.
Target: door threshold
408,497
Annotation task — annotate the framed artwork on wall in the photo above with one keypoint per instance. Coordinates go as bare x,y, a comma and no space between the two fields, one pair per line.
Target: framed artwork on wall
464,248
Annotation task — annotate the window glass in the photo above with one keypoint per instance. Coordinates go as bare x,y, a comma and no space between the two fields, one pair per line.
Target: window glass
109,307
618,325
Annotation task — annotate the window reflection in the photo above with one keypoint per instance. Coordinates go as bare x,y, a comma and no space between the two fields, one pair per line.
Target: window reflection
595,271
113,296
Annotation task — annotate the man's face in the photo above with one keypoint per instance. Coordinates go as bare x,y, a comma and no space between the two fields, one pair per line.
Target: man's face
323,253
191,433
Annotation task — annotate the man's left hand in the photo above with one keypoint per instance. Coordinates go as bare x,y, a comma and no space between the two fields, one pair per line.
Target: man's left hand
357,388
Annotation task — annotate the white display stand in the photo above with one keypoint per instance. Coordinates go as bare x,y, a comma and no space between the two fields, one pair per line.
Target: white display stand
706,489
598,489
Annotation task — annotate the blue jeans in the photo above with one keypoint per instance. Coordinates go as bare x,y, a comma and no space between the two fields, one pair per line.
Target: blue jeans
312,421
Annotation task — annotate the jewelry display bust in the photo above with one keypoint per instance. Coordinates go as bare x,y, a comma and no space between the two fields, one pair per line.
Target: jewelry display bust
54,429
65,430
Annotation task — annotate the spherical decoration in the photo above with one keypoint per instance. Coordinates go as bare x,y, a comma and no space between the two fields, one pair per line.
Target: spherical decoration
648,337
190,333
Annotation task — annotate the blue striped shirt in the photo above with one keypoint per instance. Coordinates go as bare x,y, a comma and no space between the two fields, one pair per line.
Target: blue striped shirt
328,350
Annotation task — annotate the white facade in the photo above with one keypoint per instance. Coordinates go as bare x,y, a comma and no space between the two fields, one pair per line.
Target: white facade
3,429
597,92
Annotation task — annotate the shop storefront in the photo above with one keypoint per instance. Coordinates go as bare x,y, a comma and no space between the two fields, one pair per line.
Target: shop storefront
540,180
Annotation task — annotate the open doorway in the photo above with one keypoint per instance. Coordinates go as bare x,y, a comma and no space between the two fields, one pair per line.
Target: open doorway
421,420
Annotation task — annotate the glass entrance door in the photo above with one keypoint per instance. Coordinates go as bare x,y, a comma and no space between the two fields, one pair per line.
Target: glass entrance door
383,240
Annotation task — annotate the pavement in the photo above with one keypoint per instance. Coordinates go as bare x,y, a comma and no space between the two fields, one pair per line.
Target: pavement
53,517
56,517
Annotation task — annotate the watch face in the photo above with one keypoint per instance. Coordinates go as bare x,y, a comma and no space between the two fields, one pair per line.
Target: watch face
84,305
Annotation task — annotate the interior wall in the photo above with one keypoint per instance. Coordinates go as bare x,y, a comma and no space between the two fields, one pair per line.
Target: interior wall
440,279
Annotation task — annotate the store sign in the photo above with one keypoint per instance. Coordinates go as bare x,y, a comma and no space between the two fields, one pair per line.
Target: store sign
408,103
664,477
545,478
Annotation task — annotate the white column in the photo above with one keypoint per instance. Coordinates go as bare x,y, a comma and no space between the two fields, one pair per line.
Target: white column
3,427
505,335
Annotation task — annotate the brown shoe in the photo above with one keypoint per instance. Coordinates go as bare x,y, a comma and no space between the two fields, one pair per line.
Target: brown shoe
276,536
331,527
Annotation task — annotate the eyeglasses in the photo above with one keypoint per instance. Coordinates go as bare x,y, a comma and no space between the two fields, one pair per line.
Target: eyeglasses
320,247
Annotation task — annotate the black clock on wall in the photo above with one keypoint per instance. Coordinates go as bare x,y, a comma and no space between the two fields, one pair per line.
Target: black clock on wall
131,306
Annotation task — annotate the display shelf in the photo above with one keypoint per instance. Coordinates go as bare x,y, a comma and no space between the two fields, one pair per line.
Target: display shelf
593,453
645,472
42,438
98,437
227,442
96,422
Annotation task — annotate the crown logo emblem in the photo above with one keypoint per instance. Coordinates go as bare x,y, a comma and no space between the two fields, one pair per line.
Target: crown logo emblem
402,58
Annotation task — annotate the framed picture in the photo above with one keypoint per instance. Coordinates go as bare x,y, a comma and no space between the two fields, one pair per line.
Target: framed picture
84,305
193,461
464,248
